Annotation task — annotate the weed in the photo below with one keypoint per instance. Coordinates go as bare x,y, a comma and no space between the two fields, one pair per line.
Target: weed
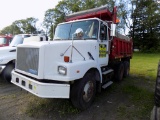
50,107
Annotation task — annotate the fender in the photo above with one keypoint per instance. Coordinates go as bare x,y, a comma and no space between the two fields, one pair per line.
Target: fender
75,70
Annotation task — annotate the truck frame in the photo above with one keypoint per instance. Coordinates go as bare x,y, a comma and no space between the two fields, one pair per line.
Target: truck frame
85,56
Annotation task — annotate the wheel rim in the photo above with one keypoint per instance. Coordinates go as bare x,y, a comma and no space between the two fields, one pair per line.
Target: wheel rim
88,91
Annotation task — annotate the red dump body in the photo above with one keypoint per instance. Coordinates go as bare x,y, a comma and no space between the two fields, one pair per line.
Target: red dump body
121,46
5,40
102,13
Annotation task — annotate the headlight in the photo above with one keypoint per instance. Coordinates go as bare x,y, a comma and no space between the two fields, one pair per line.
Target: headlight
62,70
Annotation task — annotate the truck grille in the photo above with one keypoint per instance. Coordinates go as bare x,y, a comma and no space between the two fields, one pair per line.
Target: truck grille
27,60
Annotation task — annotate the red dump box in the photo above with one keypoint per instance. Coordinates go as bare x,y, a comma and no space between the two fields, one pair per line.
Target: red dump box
121,48
102,13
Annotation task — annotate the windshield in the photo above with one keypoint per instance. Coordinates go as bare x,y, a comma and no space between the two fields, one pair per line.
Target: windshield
65,31
18,39
3,41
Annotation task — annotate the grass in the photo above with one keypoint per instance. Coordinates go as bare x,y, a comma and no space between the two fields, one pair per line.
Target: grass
47,107
140,87
141,101
144,65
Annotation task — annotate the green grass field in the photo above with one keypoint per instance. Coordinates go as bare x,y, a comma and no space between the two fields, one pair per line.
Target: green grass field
144,65
140,86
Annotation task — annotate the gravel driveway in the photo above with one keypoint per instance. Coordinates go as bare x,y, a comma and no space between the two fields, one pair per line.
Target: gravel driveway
14,104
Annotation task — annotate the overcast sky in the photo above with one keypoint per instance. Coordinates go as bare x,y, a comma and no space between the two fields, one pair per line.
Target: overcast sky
12,10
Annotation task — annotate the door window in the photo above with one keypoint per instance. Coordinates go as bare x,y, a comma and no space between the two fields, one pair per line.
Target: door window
103,32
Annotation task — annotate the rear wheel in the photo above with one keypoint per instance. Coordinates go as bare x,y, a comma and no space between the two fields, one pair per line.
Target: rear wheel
7,72
157,88
83,91
119,71
126,68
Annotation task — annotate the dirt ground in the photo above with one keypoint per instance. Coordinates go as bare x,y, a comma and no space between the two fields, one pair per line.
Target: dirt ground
15,102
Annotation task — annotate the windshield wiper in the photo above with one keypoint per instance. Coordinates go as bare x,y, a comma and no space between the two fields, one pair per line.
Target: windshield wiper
60,39
90,38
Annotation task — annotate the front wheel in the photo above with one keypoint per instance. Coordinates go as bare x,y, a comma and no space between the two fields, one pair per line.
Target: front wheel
7,72
83,91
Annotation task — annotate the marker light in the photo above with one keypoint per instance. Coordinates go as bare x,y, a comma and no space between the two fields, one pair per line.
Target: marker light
66,58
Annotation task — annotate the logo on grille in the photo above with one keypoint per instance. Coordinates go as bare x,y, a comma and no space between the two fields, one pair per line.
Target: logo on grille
33,71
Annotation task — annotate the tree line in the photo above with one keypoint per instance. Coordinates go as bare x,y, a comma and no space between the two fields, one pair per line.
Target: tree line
21,26
140,17
146,25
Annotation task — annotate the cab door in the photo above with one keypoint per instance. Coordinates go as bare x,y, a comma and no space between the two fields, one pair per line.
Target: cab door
103,45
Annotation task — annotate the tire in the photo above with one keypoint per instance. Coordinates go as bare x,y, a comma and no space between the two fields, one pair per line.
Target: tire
119,71
83,91
126,69
157,88
7,72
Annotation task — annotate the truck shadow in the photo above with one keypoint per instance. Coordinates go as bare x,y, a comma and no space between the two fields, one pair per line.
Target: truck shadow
2,81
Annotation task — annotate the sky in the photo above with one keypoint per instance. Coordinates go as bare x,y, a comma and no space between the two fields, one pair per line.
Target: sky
12,10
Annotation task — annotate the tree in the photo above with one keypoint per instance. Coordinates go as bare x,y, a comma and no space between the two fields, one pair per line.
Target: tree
28,25
21,26
124,15
12,29
146,25
49,20
7,30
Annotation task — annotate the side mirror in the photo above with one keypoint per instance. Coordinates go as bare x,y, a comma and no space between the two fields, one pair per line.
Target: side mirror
113,30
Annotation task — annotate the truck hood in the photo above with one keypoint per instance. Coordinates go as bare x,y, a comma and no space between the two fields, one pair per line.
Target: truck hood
58,49
51,55
55,52
7,54
64,48
34,44
4,50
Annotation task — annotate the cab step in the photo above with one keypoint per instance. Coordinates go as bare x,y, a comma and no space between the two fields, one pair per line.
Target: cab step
107,84
108,71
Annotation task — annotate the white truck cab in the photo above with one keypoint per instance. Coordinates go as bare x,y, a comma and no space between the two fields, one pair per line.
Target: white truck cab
8,54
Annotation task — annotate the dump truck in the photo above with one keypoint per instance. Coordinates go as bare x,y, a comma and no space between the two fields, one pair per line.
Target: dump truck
5,40
86,56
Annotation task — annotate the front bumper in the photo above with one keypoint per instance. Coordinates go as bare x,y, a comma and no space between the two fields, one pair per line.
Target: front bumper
2,68
44,90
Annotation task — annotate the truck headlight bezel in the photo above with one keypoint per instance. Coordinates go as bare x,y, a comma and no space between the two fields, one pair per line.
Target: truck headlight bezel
62,70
